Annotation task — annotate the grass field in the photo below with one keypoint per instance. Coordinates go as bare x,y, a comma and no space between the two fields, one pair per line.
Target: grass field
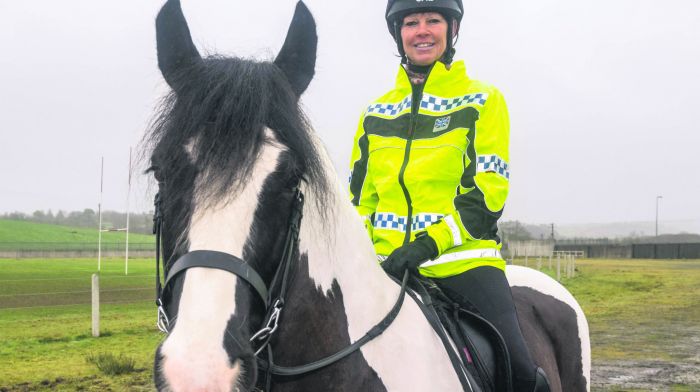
12,231
643,314
45,324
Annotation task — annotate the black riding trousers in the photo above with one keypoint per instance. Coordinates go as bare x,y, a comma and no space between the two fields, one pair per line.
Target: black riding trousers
486,289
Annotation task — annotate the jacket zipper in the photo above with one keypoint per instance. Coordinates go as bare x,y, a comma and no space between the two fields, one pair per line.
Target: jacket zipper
407,153
415,105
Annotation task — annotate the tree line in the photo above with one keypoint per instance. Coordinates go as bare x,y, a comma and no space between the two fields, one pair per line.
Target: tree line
138,222
143,222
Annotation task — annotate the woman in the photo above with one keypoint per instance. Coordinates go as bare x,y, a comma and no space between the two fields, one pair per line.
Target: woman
430,173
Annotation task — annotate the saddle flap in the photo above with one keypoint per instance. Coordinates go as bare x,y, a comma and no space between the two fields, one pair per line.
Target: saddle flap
480,346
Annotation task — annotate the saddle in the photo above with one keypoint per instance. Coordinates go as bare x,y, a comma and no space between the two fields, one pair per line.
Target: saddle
475,347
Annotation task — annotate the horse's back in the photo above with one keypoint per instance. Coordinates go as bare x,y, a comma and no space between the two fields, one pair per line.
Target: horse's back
554,326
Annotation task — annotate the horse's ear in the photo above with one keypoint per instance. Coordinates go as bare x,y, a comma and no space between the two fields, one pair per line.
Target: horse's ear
297,58
175,46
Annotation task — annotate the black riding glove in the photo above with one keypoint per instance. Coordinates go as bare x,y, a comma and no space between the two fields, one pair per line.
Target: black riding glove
410,256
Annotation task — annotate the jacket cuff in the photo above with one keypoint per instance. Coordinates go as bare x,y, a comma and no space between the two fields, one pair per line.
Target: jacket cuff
441,233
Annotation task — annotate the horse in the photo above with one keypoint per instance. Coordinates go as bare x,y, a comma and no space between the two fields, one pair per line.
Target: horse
234,156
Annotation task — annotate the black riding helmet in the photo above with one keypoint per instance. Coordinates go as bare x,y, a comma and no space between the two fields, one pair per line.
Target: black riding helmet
396,10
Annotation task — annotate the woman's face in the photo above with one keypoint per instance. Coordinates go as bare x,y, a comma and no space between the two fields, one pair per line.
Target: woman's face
424,37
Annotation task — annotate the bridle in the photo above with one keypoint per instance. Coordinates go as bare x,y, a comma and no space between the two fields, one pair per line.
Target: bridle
273,296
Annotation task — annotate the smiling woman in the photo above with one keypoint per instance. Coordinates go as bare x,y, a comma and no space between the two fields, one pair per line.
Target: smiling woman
430,174
424,37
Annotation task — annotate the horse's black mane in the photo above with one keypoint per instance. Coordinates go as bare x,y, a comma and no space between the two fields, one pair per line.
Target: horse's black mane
224,105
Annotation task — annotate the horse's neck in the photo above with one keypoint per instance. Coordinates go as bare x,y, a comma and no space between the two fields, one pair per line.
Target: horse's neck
343,269
339,250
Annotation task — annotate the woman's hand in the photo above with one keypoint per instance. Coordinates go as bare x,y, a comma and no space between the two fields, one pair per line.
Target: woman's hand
410,256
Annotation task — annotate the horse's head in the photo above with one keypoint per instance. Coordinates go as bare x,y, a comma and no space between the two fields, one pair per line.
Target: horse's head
228,149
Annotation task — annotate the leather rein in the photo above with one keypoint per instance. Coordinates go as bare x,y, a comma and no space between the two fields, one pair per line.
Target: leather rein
273,303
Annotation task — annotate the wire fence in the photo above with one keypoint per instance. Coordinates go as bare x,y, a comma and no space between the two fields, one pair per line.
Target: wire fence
74,246
61,292
635,251
22,250
561,263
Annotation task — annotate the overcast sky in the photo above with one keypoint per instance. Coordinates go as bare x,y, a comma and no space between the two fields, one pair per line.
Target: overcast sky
603,95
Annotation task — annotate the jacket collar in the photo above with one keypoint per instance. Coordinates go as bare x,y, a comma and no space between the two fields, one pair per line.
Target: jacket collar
438,75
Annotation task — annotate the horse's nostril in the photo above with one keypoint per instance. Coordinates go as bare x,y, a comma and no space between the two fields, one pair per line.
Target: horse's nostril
194,372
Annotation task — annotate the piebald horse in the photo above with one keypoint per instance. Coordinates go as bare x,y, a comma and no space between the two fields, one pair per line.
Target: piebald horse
229,148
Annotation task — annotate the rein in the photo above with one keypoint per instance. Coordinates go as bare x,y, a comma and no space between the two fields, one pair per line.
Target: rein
226,262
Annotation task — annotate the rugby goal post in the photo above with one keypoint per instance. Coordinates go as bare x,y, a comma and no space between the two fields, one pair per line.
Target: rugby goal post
101,230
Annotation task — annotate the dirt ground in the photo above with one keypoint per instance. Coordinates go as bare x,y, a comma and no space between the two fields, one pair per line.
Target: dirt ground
679,371
645,376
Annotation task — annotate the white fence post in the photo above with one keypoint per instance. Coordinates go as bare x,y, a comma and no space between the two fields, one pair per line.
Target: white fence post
558,267
95,305
573,266
569,266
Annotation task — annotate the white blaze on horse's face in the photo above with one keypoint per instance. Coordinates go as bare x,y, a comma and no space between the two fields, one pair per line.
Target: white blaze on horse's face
194,358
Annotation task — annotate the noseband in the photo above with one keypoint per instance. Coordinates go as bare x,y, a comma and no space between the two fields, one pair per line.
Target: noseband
238,267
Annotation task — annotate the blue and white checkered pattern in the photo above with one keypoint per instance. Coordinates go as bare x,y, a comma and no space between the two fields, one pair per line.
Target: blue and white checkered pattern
429,102
439,104
394,222
390,109
390,221
492,163
422,221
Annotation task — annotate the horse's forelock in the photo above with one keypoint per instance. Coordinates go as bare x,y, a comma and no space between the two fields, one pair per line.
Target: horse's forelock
225,104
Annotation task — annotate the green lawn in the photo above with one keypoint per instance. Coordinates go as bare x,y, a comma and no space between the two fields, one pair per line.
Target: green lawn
637,310
46,331
12,231
48,282
640,309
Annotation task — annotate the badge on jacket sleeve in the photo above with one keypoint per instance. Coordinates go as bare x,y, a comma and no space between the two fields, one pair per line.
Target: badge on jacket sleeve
441,124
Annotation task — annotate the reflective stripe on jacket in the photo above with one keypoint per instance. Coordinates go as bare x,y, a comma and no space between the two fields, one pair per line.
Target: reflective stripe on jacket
439,165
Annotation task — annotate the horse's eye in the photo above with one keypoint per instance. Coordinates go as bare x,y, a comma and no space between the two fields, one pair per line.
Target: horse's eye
157,173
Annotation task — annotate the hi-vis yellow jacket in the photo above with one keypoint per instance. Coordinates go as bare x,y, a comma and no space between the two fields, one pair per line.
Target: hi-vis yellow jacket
435,162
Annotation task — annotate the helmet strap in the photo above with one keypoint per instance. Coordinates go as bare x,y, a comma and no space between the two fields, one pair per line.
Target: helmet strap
449,54
399,42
